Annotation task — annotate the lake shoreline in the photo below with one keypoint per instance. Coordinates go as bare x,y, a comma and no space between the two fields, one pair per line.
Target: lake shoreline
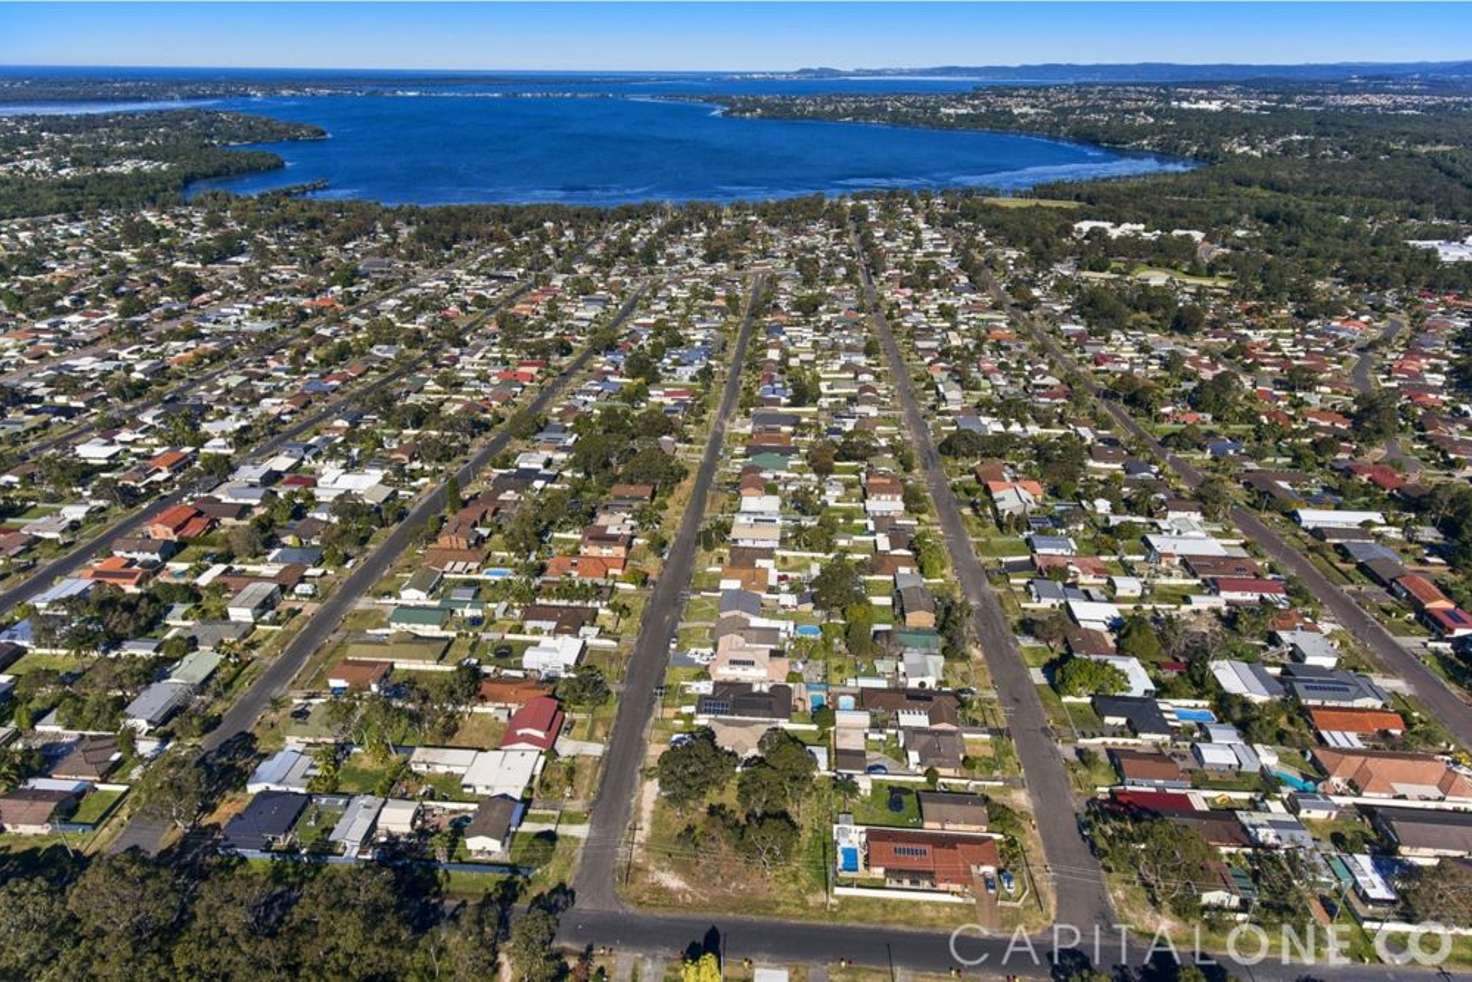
535,150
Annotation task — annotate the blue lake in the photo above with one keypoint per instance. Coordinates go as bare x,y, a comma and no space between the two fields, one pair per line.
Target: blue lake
602,150
604,138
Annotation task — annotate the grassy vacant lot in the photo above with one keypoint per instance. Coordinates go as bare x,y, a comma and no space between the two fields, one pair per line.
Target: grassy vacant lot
1216,282
1007,202
875,808
315,824
1001,546
668,873
481,731
38,662
96,806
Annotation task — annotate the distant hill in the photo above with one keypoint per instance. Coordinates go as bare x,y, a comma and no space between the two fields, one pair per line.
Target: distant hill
1168,72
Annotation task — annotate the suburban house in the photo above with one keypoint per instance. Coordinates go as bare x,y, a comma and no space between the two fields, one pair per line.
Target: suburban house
930,860
91,758
35,811
883,494
1425,834
157,704
501,772
952,812
179,523
553,657
265,823
354,830
254,601
1393,774
913,602
491,828
535,726
738,660
1148,770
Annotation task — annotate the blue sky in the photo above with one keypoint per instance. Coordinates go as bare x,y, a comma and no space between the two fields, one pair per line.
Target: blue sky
734,36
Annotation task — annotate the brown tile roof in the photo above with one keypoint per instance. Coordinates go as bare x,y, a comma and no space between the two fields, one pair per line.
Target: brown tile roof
1390,773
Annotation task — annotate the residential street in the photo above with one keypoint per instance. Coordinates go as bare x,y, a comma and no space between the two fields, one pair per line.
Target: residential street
99,544
595,881
1078,881
242,715
1427,686
1361,377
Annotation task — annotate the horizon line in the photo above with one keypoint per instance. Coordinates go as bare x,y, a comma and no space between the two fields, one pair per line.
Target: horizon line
750,71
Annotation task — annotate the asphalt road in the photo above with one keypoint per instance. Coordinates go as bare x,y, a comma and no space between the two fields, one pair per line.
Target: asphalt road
1363,383
893,947
1428,687
146,833
608,819
1078,880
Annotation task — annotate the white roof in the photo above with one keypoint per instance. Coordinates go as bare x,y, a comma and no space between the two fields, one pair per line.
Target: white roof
1185,545
1139,679
254,594
560,653
761,504
1223,733
1367,878
1335,518
62,590
356,824
1239,679
505,772
285,770
335,478
398,816
1215,753
448,757
1093,612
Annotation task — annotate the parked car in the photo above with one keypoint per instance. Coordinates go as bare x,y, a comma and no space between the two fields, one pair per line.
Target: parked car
991,883
1009,882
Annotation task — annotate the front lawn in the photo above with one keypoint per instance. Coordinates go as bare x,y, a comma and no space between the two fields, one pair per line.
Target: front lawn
875,808
96,806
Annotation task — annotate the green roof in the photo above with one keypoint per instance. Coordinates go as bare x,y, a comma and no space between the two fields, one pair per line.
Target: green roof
420,616
917,638
400,649
196,667
770,461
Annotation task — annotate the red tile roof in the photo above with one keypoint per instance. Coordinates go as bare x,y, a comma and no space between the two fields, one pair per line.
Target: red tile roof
950,859
535,725
1357,720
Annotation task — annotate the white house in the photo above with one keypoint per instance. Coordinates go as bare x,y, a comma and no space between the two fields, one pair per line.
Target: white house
1134,672
441,760
1093,614
1310,648
287,769
1330,518
253,602
354,830
398,817
555,656
501,772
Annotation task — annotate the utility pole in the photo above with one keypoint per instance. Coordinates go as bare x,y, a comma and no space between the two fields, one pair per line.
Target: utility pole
633,847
